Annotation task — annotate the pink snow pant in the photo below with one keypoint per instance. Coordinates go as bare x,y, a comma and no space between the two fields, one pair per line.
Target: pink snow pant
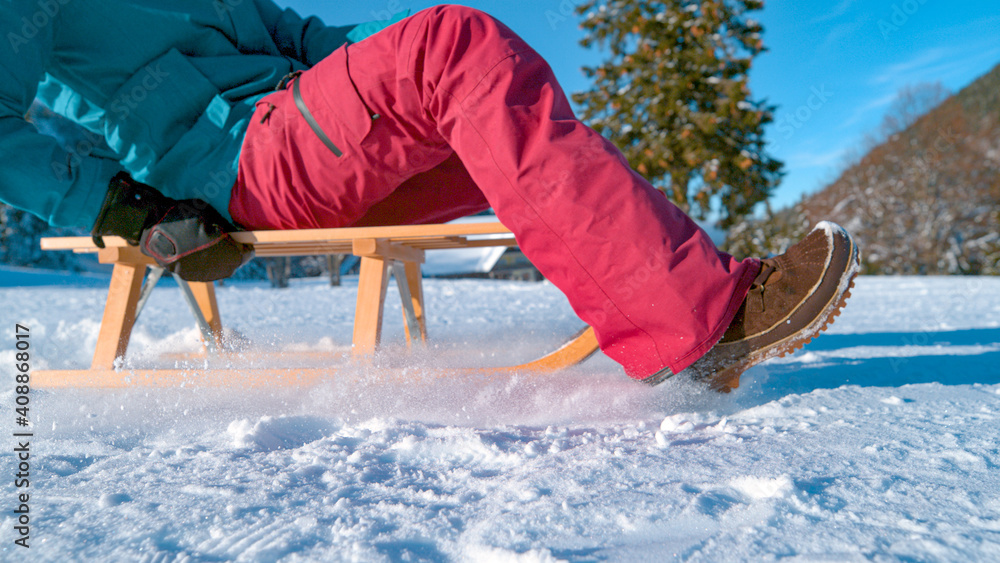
447,113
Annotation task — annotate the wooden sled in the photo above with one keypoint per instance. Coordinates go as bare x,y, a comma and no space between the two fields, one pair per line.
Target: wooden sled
397,250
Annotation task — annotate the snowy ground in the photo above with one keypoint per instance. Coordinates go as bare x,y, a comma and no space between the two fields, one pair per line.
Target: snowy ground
880,442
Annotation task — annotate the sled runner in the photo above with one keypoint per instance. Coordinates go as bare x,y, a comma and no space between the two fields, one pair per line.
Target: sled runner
396,250
580,347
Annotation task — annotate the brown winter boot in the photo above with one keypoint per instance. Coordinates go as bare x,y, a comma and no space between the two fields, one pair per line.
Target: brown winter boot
795,297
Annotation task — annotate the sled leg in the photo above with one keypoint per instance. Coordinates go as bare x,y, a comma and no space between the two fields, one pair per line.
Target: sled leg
153,275
201,298
415,280
412,299
372,284
119,314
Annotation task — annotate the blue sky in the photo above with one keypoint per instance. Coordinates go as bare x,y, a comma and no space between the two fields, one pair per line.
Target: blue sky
833,67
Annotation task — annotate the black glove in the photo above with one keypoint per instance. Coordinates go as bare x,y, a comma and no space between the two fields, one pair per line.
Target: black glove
187,237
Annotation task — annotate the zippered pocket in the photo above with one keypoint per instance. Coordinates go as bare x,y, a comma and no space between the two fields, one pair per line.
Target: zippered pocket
313,124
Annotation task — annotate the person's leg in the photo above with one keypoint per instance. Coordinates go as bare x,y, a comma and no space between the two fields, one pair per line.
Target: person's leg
452,79
441,194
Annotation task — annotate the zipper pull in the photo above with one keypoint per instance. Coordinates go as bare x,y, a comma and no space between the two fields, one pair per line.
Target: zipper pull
268,114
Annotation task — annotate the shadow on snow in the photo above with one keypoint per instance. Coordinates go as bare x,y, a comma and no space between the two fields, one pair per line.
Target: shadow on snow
960,357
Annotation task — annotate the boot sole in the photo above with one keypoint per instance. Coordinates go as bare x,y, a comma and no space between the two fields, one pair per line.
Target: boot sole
729,378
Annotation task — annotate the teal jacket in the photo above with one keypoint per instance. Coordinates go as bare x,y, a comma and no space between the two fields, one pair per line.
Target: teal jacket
170,86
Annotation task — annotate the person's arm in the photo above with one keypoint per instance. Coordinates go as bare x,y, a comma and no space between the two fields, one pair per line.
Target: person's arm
309,40
36,174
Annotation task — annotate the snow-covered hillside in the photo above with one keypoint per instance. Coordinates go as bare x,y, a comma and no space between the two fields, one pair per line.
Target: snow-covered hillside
878,442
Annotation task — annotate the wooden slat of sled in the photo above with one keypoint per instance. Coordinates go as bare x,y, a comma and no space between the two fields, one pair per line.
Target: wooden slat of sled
259,239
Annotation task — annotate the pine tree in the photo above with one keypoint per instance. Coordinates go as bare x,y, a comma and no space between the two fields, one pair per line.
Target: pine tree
673,95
